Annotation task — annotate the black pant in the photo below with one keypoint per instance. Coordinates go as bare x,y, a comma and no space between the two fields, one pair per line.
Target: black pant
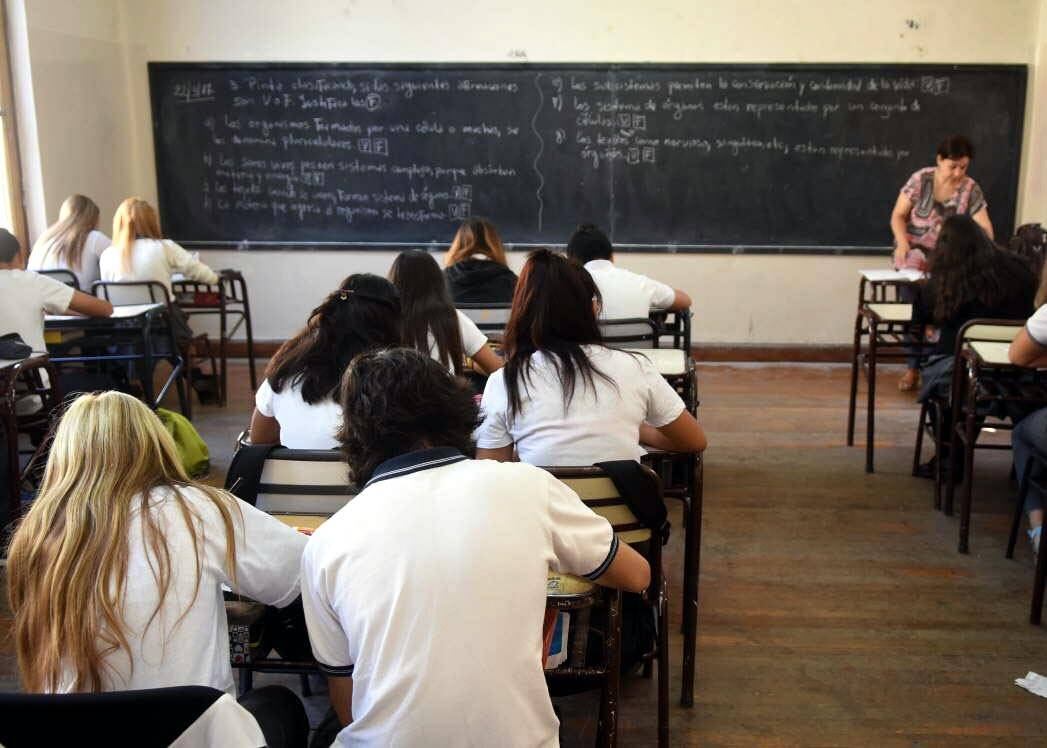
280,715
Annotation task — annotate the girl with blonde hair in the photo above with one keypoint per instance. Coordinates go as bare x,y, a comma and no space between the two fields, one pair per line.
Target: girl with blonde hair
140,253
476,269
115,574
72,243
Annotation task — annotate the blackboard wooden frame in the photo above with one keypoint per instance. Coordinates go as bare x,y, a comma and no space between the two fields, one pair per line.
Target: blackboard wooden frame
155,69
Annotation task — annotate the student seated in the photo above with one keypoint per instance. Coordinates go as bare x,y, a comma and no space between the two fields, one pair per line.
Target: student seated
625,294
115,574
476,269
140,253
74,243
296,404
26,296
425,595
562,397
430,322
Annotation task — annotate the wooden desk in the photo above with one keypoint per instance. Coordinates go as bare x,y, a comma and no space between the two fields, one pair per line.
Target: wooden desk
131,324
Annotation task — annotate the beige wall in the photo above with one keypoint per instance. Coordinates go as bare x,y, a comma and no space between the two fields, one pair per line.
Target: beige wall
88,67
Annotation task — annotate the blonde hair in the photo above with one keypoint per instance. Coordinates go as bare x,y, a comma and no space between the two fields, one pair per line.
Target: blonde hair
476,237
77,218
134,219
67,563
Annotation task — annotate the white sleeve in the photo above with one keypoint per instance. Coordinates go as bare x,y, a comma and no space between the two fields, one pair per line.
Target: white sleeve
180,260
493,433
663,405
326,635
584,543
1037,326
96,243
472,339
54,296
662,296
268,557
263,399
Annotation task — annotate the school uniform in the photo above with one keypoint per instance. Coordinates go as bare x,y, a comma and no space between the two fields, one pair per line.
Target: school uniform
472,339
1030,433
154,260
628,295
479,280
302,425
24,298
43,258
187,642
429,589
602,421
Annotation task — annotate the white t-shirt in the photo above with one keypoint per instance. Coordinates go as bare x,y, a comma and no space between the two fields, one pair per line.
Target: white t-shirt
155,260
42,258
601,424
195,649
429,588
302,426
24,298
472,339
628,295
1037,326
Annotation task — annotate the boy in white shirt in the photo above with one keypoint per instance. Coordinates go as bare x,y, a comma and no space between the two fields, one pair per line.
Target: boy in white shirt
425,595
26,296
626,295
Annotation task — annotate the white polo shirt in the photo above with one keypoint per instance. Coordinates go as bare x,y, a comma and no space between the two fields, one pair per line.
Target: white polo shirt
628,295
24,298
43,258
472,339
302,425
187,643
429,588
1037,326
601,422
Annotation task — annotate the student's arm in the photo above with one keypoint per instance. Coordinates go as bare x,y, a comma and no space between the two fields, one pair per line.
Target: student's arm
184,263
629,571
487,360
982,219
89,306
1025,351
340,692
681,301
684,434
264,429
500,454
268,557
899,227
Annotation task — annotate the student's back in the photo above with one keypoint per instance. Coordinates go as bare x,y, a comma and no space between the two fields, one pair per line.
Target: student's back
477,271
74,243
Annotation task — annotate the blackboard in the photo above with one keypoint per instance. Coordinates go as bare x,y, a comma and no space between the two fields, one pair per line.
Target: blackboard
788,158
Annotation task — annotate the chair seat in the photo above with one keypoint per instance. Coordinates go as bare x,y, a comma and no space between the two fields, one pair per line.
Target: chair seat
992,352
891,312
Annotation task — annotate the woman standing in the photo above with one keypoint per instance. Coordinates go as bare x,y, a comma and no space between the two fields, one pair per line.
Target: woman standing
73,243
931,195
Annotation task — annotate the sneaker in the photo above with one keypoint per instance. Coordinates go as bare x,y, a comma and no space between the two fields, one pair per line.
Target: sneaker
1034,540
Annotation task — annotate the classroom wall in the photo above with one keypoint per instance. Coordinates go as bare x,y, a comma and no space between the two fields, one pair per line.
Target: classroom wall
93,55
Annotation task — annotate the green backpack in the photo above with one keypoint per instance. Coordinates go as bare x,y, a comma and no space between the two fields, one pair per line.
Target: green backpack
191,447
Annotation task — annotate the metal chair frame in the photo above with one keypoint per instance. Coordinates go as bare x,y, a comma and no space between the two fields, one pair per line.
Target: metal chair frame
68,277
28,371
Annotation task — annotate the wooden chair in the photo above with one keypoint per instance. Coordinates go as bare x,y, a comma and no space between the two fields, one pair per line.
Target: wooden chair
62,276
600,494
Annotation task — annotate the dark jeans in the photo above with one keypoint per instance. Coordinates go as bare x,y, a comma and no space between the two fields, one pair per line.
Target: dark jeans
1030,437
280,715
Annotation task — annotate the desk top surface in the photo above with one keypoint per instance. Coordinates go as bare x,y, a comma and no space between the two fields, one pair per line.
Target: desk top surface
992,352
125,311
668,361
881,275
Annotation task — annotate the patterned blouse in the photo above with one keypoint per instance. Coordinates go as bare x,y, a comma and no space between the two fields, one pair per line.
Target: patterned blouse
927,215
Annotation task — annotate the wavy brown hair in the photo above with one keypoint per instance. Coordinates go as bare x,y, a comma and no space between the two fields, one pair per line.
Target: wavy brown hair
67,563
65,240
476,236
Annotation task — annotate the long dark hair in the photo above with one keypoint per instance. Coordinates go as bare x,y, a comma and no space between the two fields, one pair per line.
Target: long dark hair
364,313
966,267
427,307
553,313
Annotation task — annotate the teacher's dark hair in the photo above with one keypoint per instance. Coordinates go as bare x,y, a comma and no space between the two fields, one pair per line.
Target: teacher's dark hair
588,243
956,147
553,313
427,307
363,313
398,400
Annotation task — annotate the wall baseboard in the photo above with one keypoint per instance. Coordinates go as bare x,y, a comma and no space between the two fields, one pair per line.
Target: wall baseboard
741,352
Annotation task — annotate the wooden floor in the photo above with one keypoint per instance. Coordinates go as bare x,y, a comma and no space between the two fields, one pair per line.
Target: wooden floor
835,610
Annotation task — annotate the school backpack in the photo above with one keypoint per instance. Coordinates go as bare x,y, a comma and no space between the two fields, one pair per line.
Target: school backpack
196,459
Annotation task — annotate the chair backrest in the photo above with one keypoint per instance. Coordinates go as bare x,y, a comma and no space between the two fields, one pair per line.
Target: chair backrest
67,277
622,333
125,293
993,330
304,481
675,324
600,494
490,318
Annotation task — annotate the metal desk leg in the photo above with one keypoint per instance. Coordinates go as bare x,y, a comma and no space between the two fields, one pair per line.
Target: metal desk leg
870,417
692,569
855,355
968,479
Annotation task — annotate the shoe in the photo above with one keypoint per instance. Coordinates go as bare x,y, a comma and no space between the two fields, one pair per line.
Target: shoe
910,380
1034,540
